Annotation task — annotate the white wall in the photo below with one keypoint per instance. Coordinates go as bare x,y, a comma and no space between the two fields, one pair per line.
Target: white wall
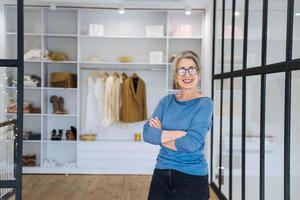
2,107
207,69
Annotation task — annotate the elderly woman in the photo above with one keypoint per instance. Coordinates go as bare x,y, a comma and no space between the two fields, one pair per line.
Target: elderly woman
179,125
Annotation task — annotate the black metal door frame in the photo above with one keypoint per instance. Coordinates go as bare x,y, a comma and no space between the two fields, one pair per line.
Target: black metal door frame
19,65
287,67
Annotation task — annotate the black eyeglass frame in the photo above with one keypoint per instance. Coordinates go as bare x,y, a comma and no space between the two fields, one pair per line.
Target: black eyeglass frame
189,69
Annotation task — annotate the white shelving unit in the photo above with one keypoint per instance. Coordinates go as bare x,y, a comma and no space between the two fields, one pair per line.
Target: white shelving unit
66,30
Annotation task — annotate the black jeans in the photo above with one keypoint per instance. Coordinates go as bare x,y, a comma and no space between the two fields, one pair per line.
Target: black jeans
168,184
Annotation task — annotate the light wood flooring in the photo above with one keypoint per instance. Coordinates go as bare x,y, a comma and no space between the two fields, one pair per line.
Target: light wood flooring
87,187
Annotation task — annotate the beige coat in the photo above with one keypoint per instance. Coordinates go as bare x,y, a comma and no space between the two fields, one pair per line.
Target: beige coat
134,106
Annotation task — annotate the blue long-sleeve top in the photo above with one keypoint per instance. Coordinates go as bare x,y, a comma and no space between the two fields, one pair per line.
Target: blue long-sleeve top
192,116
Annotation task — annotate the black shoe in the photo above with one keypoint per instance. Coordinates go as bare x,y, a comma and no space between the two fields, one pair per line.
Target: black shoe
74,131
53,136
60,133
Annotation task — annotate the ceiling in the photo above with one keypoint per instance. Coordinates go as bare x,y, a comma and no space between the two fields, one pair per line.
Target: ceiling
175,4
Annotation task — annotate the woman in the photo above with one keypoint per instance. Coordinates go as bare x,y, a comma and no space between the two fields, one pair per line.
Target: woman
179,125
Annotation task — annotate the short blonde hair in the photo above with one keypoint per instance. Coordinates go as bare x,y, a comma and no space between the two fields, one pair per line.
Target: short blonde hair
184,54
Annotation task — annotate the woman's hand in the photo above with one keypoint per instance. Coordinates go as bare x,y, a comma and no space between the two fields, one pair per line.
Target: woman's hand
168,136
155,122
170,145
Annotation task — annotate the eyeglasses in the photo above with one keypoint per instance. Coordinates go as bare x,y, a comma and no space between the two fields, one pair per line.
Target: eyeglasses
182,70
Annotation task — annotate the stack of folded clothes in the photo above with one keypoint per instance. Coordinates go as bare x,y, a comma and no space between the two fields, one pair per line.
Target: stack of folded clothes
35,54
30,80
29,160
28,135
12,106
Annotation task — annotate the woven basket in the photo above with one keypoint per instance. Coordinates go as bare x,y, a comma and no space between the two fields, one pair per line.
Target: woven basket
88,137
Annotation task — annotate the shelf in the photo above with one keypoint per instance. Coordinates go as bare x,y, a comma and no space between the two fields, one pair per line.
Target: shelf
27,169
49,61
122,37
60,62
122,63
48,170
25,34
32,61
63,89
59,35
127,67
47,115
25,88
59,115
44,88
31,141
60,141
25,114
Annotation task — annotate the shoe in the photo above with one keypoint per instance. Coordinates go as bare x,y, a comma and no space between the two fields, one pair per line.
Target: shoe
61,106
54,101
74,131
70,135
53,136
60,133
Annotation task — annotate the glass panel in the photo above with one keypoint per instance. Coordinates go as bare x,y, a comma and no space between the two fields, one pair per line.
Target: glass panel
8,94
227,35
274,136
239,35
295,136
8,30
218,35
7,152
7,134
296,34
216,128
7,193
276,44
225,135
254,34
252,136
237,140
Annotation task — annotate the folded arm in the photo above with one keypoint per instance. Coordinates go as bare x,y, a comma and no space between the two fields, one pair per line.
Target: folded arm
177,140
154,134
195,137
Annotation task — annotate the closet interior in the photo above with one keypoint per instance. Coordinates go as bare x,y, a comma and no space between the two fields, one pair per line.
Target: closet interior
66,130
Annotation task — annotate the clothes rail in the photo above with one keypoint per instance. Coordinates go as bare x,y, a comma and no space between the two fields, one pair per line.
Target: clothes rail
121,69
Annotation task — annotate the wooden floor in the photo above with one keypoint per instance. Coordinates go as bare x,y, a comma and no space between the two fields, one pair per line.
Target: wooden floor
87,187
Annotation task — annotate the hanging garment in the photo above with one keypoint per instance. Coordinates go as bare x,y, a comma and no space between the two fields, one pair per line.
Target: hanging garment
134,106
116,97
92,119
108,102
99,94
124,77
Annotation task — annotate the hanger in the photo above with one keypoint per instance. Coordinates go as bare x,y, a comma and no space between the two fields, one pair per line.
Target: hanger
135,76
95,74
116,74
105,75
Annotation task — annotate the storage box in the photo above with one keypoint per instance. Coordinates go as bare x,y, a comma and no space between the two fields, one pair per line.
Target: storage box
156,57
185,30
154,30
63,79
96,30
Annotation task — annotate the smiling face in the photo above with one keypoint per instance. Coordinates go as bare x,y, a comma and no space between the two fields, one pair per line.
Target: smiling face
189,79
